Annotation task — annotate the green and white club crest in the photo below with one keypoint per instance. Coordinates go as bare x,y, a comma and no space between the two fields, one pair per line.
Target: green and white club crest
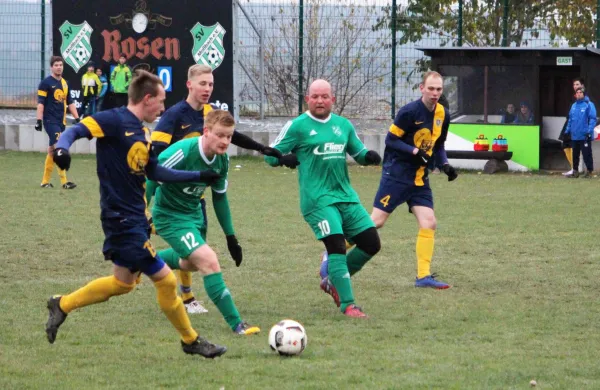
208,44
76,48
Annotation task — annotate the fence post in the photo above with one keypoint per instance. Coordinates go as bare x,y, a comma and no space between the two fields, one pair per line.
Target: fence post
460,22
300,54
505,23
394,10
43,51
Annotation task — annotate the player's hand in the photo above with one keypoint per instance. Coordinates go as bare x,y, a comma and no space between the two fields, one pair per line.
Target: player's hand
62,158
38,125
372,158
289,160
234,249
271,152
423,157
450,171
77,120
209,176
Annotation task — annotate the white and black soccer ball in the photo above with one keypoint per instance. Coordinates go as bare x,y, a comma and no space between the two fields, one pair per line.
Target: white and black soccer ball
81,54
213,56
288,338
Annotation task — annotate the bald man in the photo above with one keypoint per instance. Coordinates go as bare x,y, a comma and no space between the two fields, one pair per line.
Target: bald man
317,142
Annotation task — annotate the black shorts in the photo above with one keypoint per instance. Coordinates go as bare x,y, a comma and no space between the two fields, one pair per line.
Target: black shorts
54,130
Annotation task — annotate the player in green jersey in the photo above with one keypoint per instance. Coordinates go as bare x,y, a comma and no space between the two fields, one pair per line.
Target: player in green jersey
178,217
318,142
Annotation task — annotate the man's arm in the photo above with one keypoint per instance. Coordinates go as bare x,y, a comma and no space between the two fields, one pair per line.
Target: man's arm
127,76
104,87
357,150
223,212
591,120
243,141
285,143
163,133
151,187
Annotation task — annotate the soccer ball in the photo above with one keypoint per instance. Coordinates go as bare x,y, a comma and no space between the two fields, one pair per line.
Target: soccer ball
213,57
288,338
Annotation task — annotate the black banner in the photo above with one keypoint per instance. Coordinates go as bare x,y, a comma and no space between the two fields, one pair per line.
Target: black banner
165,37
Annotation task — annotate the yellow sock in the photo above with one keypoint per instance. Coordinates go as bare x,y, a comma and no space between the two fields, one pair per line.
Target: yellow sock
185,280
139,279
48,164
173,308
569,154
424,252
63,175
96,291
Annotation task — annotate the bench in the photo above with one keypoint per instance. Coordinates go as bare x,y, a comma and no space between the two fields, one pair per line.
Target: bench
496,160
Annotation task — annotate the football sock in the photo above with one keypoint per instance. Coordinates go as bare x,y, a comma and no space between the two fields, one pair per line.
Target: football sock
185,280
221,297
48,165
356,259
96,291
172,306
170,257
63,175
425,242
340,278
569,154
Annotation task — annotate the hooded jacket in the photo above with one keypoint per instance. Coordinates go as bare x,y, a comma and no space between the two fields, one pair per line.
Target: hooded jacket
582,120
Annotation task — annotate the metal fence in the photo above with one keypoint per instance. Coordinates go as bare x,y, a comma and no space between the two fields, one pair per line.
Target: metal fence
370,58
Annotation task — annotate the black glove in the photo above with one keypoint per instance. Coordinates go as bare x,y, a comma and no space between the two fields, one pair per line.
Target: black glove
62,158
422,157
234,249
38,125
372,158
271,152
209,176
77,120
588,138
289,160
450,171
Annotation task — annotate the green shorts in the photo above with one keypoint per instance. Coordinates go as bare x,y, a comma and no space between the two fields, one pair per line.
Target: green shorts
184,233
348,219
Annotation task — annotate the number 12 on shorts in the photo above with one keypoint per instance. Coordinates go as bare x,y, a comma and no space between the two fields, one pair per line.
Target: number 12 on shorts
189,240
324,227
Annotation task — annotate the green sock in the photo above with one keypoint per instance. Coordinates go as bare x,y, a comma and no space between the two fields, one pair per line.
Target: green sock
219,293
170,257
340,278
356,259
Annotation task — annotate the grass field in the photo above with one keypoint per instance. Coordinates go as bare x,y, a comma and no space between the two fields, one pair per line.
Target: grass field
520,250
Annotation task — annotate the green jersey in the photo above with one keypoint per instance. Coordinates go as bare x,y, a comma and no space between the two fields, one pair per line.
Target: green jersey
188,155
321,147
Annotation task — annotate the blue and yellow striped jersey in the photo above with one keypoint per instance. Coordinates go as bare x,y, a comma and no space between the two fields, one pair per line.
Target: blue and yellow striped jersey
122,153
416,126
180,121
55,96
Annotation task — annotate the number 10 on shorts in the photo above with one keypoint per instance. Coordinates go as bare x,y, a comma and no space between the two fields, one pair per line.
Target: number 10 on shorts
324,227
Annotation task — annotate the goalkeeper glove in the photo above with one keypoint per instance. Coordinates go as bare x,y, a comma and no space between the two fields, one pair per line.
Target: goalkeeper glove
372,158
38,125
289,160
209,177
422,157
234,249
62,158
450,171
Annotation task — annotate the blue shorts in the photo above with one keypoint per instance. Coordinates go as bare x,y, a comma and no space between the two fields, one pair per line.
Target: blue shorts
392,194
127,244
53,130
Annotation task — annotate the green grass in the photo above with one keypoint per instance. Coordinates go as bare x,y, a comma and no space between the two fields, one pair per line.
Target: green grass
520,251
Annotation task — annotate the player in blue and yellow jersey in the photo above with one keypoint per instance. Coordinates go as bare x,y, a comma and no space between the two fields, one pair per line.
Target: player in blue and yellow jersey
53,100
184,120
124,160
419,131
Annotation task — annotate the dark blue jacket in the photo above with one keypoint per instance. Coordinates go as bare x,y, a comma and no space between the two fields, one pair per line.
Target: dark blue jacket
582,120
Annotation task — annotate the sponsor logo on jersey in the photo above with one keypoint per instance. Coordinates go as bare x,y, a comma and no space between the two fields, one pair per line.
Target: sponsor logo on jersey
194,191
330,148
336,130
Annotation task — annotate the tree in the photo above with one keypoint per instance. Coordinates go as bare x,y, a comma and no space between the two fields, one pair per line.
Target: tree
339,46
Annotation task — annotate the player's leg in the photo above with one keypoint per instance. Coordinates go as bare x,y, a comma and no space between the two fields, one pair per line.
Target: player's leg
66,184
327,226
51,130
576,152
185,277
588,159
421,205
568,150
